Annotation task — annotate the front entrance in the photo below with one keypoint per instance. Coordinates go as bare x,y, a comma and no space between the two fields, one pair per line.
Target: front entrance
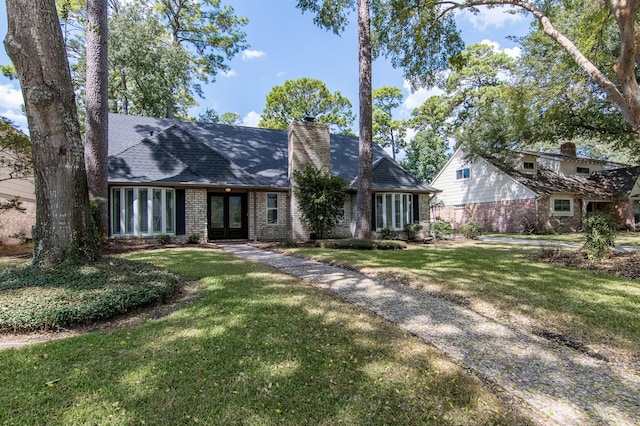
227,216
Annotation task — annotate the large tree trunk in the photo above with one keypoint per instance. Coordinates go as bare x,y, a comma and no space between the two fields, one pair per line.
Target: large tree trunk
96,142
64,227
363,200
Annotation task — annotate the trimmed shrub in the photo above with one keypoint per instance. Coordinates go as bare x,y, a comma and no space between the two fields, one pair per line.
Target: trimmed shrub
387,234
470,230
357,244
441,229
193,239
600,233
71,294
412,230
163,239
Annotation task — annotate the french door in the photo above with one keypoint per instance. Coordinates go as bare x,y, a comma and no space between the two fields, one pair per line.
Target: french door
227,216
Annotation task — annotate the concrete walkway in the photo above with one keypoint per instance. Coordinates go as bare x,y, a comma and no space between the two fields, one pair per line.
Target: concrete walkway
556,384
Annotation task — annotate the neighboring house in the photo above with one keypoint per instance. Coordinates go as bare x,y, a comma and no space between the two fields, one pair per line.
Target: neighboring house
540,190
222,182
12,222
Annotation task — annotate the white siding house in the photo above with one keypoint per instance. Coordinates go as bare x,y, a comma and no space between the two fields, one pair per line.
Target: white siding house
539,191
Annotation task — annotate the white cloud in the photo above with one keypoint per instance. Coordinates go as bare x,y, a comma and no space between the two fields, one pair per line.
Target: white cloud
10,98
18,119
418,97
514,52
496,17
252,54
229,73
251,119
280,74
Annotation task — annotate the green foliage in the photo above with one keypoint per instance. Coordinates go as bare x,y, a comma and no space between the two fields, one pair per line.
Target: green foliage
361,244
440,230
426,155
600,232
562,102
230,118
15,152
388,132
209,116
470,230
320,197
412,230
193,239
70,294
163,239
298,99
387,233
159,51
9,71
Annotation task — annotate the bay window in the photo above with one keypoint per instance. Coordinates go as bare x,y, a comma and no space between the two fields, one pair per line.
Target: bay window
142,211
393,211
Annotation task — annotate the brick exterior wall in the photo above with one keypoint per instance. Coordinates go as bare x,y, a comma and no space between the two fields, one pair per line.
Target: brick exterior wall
261,230
515,216
196,213
14,222
504,217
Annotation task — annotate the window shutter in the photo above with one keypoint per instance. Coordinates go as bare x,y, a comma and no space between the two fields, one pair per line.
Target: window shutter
180,212
373,211
416,208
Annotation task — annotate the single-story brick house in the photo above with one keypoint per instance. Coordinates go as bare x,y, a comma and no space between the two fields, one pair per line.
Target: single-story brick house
552,190
223,182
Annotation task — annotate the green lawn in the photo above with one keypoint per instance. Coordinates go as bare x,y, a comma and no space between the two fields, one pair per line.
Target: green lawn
259,348
599,310
623,239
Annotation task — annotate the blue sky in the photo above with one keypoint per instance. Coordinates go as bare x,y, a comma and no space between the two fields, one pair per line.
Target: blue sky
286,45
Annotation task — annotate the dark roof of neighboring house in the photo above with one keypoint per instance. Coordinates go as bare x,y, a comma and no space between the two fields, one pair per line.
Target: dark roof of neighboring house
560,156
145,149
548,182
621,180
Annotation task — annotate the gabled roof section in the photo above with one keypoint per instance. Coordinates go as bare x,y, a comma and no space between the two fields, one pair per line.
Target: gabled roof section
546,182
621,180
389,176
146,149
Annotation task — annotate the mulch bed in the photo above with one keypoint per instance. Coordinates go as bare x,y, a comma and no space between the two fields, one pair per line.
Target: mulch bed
620,264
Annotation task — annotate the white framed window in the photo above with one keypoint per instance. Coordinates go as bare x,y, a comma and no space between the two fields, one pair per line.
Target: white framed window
393,211
463,173
528,165
581,170
143,211
272,208
561,206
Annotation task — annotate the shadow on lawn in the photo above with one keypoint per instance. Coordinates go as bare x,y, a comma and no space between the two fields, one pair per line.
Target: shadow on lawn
260,348
567,298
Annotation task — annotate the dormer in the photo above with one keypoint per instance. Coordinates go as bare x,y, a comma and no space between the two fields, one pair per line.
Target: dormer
528,164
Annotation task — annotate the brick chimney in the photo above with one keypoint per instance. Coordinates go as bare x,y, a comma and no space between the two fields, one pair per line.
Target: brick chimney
309,145
568,148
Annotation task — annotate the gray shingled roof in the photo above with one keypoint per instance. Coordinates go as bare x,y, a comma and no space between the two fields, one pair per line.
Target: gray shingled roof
547,182
145,149
621,180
